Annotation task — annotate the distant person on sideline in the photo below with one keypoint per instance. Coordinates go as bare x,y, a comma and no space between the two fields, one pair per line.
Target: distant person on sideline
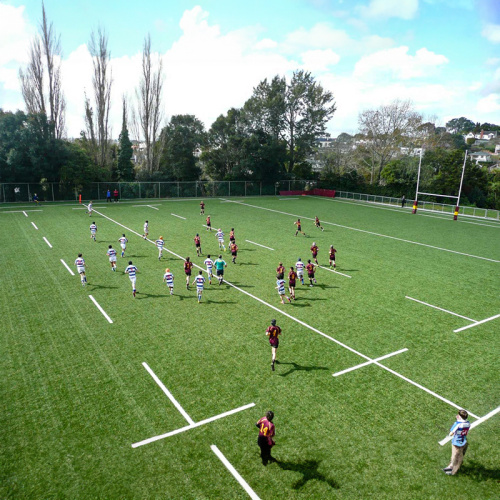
108,196
403,201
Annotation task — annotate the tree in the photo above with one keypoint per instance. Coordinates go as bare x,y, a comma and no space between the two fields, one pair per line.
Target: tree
460,125
44,61
125,166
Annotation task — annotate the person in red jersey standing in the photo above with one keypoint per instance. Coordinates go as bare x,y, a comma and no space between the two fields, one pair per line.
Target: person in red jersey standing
314,251
310,267
332,253
273,332
202,208
280,271
292,279
265,439
188,266
197,244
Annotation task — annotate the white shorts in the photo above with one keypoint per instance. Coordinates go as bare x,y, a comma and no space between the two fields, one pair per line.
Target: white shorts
300,274
209,271
132,279
221,242
123,245
80,269
92,232
112,259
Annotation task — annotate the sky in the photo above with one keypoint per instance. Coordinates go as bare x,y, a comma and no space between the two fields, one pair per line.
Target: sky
443,55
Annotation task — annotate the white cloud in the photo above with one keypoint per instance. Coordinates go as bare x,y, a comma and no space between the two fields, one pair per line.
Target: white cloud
15,34
489,105
404,9
265,44
319,60
492,32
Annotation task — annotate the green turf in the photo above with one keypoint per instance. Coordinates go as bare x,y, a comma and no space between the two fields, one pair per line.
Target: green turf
75,395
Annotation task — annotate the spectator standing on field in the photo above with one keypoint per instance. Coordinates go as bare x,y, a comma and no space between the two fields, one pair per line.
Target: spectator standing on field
403,201
108,196
459,445
115,195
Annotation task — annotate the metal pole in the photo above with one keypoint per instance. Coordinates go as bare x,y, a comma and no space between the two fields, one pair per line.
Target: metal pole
52,186
245,188
418,182
196,189
178,195
140,196
120,190
229,188
261,188
461,180
159,190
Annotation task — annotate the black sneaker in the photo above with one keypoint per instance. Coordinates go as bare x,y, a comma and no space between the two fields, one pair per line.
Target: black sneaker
446,469
272,366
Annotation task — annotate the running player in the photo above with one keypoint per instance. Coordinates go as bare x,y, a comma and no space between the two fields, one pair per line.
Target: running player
168,278
210,265
197,244
146,230
209,223
202,208
93,231
234,251
292,277
219,266
220,237
80,267
123,243
111,253
310,272
299,227
273,332
317,223
89,208
332,252
131,270
299,265
160,244
280,271
314,250
232,239
188,266
200,281
280,286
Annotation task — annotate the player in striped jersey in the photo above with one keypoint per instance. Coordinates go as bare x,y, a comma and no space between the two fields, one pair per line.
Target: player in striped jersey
111,253
89,208
280,286
93,231
80,267
123,243
146,230
200,281
159,244
131,270
299,266
168,278
210,265
220,237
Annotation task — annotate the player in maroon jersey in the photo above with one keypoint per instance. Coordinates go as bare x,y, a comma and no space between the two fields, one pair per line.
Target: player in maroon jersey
265,439
202,208
280,271
310,272
292,278
197,244
317,223
332,252
314,250
232,239
209,223
234,251
299,227
188,266
273,332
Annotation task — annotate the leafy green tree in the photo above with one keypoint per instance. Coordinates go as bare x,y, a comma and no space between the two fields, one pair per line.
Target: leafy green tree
460,125
125,167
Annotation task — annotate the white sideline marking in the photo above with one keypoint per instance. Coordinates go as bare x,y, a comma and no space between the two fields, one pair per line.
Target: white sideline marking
440,309
149,206
34,225
474,424
68,268
47,241
25,213
259,245
101,309
19,211
369,232
369,362
192,426
208,227
169,395
286,199
300,323
86,208
235,473
178,216
476,323
334,271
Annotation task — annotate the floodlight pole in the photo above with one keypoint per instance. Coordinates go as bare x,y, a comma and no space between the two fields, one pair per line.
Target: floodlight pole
415,203
455,215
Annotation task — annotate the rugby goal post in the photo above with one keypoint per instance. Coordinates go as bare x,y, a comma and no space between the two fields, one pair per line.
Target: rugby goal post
457,205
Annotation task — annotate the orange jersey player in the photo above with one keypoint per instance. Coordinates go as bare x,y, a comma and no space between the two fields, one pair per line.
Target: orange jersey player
314,250
202,208
310,272
234,251
332,252
317,223
209,223
299,227
188,266
197,244
280,271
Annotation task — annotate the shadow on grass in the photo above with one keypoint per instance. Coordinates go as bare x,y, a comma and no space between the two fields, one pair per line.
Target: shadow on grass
210,301
240,285
478,472
297,367
309,471
323,286
97,287
142,295
247,264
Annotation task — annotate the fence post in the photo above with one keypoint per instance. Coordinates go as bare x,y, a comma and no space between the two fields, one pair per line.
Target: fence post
52,186
196,189
245,188
289,186
159,190
261,188
140,195
178,195
229,188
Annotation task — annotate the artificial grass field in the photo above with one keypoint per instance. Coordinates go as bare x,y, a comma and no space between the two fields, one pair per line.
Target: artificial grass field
75,395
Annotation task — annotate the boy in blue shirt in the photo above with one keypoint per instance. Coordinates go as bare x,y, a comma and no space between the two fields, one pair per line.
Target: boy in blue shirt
459,431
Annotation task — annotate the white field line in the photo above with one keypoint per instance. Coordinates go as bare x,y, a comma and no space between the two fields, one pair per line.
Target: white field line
259,245
151,206
345,346
169,395
369,362
34,225
175,215
235,473
47,241
148,206
100,309
474,424
25,213
334,271
204,225
369,232
68,268
93,208
20,211
440,309
477,323
286,199
192,426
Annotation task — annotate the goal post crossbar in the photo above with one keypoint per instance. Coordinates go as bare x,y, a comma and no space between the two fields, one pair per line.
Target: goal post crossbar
440,195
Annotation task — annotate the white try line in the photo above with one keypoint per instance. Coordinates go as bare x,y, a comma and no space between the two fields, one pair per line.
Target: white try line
369,362
235,473
101,309
259,245
441,309
476,323
474,424
68,268
47,241
175,215
283,313
369,232
34,225
334,271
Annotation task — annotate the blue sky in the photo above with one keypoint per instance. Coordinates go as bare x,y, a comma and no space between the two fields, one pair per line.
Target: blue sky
444,55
